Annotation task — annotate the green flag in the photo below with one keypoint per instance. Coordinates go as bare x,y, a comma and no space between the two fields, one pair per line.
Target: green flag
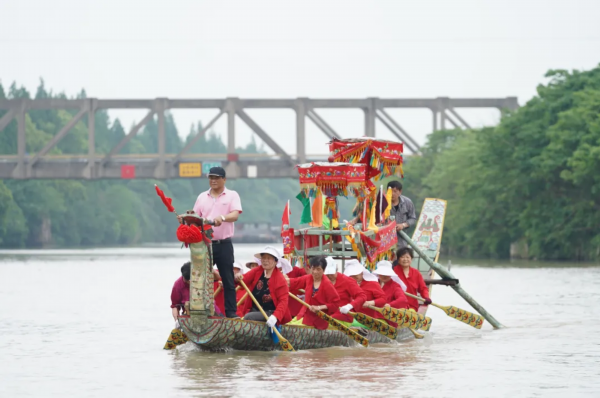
306,216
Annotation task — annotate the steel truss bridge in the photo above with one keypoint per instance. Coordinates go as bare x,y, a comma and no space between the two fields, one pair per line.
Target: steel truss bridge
164,165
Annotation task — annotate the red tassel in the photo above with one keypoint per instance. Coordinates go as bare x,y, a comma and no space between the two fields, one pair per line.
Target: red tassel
165,200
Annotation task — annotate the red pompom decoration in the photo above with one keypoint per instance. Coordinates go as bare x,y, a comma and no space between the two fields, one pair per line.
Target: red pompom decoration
165,200
189,234
331,159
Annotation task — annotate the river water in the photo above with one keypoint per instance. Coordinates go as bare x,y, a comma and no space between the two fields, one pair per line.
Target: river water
92,323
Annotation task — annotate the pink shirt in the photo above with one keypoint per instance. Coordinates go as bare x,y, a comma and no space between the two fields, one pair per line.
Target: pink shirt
208,207
180,293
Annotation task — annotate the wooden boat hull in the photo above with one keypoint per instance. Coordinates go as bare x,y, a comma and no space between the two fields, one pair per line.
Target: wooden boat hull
220,334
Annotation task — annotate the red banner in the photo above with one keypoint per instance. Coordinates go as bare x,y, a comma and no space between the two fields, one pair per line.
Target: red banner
288,241
384,158
333,179
382,246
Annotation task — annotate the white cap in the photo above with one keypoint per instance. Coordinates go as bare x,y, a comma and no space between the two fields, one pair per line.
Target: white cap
385,268
215,267
331,268
353,267
254,260
241,267
285,265
269,250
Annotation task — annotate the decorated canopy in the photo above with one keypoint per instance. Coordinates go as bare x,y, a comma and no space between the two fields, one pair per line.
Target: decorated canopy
383,158
334,179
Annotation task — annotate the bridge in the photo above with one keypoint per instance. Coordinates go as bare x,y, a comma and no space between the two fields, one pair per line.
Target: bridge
162,165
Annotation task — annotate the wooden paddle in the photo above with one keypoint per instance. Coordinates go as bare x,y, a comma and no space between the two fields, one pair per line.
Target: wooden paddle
403,317
242,299
285,345
467,317
376,325
221,288
333,322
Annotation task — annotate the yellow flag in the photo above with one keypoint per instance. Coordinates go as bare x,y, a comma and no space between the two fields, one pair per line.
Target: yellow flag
388,208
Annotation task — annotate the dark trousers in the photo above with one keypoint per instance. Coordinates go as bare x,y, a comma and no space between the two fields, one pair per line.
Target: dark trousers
223,257
257,316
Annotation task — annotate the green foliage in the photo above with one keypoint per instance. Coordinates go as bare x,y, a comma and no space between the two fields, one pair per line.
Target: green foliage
534,178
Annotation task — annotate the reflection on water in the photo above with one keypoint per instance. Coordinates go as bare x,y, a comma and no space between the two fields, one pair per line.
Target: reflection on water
93,323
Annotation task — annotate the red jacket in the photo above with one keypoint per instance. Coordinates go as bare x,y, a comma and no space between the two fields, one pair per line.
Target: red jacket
279,292
373,292
414,284
395,297
241,311
349,293
295,306
219,298
325,296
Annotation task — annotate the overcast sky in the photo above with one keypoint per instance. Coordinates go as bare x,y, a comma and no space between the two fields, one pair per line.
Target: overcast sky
284,49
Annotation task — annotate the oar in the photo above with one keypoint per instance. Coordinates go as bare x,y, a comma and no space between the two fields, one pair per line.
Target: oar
285,345
376,325
242,299
403,317
459,314
221,288
342,328
218,290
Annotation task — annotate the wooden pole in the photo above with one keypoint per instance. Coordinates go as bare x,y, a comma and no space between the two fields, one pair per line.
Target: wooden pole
444,273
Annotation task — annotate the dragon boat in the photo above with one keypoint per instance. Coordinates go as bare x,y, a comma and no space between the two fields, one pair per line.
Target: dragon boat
353,167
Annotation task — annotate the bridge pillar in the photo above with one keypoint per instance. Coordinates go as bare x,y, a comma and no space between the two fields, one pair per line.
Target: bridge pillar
21,170
160,105
300,106
89,171
370,111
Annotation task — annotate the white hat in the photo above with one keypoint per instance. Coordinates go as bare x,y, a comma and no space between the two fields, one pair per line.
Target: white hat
254,260
331,268
385,268
285,265
353,267
269,250
241,267
215,267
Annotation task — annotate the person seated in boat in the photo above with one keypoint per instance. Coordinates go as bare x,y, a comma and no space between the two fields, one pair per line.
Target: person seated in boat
411,277
294,305
270,289
352,297
218,289
392,286
239,269
369,284
180,294
319,293
255,262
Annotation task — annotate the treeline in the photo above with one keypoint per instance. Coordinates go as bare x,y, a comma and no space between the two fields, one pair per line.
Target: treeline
111,212
530,185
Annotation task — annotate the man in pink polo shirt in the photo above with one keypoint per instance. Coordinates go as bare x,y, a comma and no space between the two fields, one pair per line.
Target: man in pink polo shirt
224,207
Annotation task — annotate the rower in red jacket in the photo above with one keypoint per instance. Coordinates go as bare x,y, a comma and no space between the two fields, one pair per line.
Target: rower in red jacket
294,305
240,269
411,277
220,297
319,292
370,285
352,297
392,286
270,289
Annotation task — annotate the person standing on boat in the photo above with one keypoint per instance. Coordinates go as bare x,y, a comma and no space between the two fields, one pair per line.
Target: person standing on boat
224,207
319,293
411,277
352,297
403,210
180,294
270,289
